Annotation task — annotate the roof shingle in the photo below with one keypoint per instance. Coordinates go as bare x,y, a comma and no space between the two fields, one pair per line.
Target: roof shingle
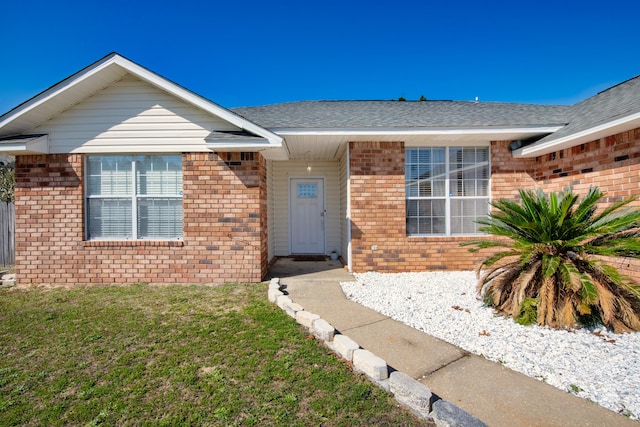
398,114
618,101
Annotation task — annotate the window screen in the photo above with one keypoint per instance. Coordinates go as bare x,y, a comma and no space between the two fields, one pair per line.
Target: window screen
134,197
447,189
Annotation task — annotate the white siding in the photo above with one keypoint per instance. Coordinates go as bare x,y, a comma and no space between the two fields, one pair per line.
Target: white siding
282,172
344,212
131,116
270,212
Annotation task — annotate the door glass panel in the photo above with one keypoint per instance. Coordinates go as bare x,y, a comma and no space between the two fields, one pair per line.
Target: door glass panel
307,191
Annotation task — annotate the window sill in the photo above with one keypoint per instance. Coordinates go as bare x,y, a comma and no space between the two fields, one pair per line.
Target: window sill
444,236
133,243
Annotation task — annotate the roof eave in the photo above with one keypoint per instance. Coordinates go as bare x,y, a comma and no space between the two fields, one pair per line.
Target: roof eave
28,145
271,150
197,100
591,134
480,130
150,77
56,90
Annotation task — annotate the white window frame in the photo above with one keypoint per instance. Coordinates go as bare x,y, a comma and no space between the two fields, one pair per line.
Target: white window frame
448,196
133,196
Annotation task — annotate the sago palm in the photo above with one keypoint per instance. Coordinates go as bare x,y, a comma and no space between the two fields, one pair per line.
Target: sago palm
555,254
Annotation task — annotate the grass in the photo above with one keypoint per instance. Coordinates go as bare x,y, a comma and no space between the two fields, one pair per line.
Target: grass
172,355
575,389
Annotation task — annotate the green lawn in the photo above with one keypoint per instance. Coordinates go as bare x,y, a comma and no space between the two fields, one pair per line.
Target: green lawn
172,355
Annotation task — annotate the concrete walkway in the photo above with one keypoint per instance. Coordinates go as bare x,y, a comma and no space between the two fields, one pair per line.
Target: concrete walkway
496,395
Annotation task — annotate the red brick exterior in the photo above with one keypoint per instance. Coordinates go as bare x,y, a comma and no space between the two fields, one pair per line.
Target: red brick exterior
611,163
378,217
378,197
225,226
225,214
508,175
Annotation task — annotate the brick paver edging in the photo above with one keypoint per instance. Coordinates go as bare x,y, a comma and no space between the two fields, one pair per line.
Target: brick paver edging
406,390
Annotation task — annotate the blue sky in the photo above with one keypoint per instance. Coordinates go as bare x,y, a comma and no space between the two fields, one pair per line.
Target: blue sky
240,53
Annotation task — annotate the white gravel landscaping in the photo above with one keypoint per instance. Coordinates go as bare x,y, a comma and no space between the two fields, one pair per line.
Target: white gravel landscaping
594,364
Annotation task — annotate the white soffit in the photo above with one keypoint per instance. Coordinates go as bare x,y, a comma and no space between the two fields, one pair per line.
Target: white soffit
485,132
27,144
270,151
419,130
606,129
415,135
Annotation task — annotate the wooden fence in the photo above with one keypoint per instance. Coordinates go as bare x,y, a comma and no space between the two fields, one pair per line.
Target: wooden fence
7,241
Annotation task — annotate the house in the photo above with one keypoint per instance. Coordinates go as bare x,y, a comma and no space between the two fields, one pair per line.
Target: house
125,176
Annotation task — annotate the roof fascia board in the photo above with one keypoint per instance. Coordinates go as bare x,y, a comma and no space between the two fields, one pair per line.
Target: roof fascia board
230,143
269,152
56,89
27,145
418,131
573,139
235,145
153,79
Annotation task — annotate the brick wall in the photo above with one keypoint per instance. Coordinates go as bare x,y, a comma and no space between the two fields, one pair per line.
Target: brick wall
611,163
49,219
225,214
378,217
508,175
378,197
224,205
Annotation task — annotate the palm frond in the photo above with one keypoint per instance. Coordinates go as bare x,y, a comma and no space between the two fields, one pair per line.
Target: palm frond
488,262
619,280
628,247
570,276
489,274
550,264
553,248
617,221
606,212
498,282
628,316
587,207
565,210
589,292
546,299
606,302
525,281
530,253
603,239
566,312
487,243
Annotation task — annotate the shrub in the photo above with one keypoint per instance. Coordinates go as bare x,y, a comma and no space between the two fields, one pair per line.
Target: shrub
554,256
7,182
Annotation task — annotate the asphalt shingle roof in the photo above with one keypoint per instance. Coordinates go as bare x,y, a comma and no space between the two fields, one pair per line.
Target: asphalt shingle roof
618,101
407,114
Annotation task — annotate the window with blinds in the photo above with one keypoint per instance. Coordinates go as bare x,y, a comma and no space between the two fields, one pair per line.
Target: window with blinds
446,189
134,197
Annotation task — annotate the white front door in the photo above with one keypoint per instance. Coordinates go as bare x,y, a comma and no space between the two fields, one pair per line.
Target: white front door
307,215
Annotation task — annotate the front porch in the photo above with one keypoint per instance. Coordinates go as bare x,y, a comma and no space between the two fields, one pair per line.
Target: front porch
284,267
307,208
